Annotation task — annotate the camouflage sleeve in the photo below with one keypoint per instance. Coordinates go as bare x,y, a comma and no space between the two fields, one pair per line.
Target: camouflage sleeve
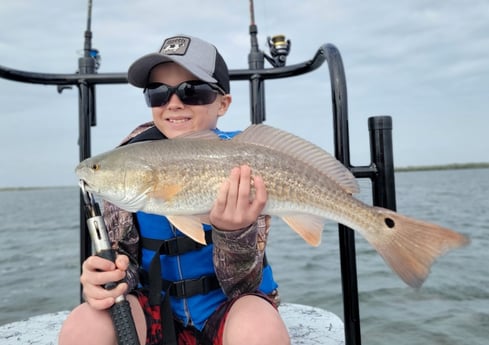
238,257
124,238
138,130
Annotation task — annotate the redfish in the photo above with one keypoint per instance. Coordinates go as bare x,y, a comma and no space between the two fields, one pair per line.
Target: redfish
180,178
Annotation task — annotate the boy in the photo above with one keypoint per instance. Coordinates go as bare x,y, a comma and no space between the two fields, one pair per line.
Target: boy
221,293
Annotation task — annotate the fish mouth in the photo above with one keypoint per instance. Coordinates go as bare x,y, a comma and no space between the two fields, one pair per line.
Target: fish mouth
85,187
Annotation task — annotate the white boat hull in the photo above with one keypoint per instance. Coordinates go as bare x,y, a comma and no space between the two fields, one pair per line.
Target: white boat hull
307,326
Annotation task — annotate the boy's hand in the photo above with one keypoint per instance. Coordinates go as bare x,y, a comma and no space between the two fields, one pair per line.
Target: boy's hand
96,272
236,207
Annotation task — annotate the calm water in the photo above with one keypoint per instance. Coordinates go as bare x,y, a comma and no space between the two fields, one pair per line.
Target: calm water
39,266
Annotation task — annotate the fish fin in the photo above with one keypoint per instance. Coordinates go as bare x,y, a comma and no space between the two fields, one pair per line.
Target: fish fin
301,150
165,192
411,246
309,227
190,226
204,218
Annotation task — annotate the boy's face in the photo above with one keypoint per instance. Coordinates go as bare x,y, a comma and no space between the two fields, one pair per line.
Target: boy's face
176,118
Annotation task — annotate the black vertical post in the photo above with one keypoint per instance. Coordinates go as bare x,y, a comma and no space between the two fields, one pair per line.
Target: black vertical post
346,235
86,65
383,184
84,152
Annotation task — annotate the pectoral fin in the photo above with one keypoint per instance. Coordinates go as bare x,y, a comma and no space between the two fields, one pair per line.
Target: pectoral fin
204,218
165,192
190,226
310,228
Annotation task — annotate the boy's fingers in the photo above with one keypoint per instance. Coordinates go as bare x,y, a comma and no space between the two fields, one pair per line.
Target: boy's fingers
233,190
244,186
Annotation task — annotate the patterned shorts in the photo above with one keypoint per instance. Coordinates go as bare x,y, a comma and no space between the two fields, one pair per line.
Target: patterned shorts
210,335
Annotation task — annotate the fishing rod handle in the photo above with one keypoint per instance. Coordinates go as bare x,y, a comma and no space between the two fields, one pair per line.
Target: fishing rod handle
100,238
121,315
101,243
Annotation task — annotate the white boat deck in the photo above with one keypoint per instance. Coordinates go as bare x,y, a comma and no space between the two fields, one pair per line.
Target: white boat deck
307,326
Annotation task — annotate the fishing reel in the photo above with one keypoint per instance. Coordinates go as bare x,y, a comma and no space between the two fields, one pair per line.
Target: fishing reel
279,50
95,55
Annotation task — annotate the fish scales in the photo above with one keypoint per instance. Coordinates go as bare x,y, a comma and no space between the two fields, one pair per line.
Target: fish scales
200,171
180,178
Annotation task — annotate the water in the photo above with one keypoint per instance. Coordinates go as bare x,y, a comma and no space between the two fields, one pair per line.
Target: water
39,266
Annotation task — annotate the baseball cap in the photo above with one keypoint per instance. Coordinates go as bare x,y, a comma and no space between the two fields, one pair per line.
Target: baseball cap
195,55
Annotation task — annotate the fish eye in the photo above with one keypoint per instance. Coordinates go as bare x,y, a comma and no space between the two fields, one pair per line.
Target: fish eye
95,166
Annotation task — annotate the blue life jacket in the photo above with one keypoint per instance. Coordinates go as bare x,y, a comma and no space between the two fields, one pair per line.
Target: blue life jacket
185,269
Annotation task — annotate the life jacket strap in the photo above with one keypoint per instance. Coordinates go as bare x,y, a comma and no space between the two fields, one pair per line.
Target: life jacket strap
191,287
186,287
174,246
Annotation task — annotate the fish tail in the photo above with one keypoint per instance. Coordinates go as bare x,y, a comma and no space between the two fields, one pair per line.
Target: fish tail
411,246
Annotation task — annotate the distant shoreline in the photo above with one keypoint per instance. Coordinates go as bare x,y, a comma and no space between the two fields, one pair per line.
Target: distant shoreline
13,189
453,166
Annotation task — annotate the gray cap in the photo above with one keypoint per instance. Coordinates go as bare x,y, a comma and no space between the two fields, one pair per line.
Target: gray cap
195,55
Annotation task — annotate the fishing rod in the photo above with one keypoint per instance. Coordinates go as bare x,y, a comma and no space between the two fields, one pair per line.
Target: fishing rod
279,49
120,312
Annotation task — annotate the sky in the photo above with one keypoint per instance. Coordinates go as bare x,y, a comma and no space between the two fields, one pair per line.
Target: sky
424,63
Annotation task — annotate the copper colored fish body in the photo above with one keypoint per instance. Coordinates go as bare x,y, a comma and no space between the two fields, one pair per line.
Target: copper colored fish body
180,178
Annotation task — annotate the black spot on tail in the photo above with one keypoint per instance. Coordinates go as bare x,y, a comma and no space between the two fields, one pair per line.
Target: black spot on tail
390,223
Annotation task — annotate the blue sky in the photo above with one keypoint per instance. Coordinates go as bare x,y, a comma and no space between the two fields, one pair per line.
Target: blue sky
425,63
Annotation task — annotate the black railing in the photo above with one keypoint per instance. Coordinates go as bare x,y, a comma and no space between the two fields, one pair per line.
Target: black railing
380,170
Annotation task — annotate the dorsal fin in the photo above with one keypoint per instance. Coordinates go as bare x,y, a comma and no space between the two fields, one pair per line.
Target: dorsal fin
302,150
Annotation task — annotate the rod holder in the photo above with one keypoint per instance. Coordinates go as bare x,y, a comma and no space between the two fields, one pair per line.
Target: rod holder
383,184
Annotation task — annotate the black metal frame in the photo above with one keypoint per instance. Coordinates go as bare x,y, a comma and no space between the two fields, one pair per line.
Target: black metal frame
380,171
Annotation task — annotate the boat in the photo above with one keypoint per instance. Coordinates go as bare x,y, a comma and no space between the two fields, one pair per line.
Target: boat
307,325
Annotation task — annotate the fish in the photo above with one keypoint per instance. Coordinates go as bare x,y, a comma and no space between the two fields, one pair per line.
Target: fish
306,186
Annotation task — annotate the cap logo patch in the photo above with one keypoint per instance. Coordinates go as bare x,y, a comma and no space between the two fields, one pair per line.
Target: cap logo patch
175,46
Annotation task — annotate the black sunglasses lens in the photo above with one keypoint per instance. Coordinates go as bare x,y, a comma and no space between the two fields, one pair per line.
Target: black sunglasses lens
157,96
196,94
190,93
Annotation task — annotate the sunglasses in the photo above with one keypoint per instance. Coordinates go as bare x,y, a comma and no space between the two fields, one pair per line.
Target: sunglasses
193,92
